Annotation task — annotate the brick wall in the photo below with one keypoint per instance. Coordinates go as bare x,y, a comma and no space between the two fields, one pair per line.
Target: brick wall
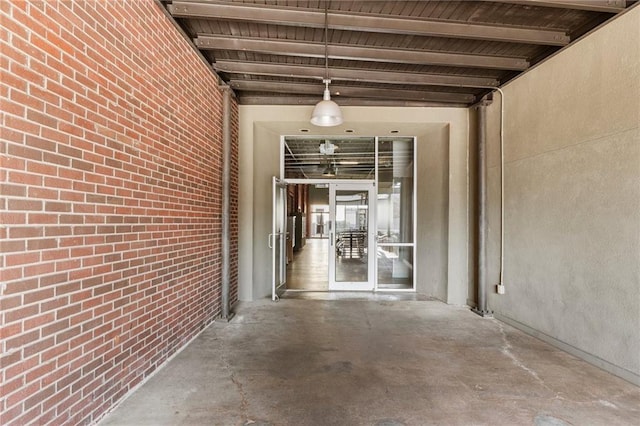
110,209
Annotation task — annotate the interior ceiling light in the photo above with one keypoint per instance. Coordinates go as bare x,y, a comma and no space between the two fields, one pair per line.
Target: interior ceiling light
327,148
330,170
326,112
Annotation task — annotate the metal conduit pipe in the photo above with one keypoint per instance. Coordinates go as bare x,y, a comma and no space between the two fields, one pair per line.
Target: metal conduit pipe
481,308
225,313
500,288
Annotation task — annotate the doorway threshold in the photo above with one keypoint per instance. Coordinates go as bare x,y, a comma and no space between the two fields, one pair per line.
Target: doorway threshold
353,295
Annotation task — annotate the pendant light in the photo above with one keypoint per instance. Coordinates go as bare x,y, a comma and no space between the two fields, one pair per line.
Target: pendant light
329,171
326,113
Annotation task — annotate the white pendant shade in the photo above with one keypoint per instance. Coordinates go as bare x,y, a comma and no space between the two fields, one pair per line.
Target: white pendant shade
326,113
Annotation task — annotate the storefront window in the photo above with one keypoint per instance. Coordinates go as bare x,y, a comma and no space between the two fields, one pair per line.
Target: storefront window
395,202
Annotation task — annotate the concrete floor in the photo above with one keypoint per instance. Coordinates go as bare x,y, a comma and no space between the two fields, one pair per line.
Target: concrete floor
374,361
309,268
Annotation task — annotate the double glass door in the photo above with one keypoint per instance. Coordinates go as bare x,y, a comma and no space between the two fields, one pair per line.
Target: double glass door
350,237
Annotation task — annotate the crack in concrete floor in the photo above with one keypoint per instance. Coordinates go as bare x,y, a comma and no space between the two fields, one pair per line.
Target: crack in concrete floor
507,350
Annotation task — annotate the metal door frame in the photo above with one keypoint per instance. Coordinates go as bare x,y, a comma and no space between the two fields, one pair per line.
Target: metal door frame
278,239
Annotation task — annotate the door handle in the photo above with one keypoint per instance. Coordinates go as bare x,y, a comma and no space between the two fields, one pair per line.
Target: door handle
269,241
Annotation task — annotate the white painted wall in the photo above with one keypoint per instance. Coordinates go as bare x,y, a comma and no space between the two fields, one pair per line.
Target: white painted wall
572,190
442,247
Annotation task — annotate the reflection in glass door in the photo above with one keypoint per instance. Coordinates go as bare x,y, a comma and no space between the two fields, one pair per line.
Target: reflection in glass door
350,239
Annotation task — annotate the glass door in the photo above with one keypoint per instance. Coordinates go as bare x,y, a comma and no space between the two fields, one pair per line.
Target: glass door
278,238
351,240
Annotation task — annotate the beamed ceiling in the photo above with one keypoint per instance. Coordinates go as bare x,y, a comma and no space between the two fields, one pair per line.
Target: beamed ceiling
397,53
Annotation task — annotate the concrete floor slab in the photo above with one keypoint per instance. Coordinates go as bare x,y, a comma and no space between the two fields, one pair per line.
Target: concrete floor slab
382,362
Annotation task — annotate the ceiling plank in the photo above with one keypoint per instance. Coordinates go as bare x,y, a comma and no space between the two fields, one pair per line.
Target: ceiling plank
349,91
312,100
351,74
369,23
358,53
608,6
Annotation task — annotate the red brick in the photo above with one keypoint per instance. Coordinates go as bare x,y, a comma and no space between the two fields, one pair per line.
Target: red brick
38,347
40,371
42,119
42,219
42,169
13,385
53,206
53,279
38,321
55,327
38,296
26,152
55,135
37,398
9,190
10,136
39,269
16,29
13,81
21,125
13,218
10,330
27,74
39,192
29,101
24,205
55,255
9,107
21,259
110,217
44,95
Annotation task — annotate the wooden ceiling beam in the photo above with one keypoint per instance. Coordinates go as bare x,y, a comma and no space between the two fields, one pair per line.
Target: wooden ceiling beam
365,22
358,53
348,91
351,74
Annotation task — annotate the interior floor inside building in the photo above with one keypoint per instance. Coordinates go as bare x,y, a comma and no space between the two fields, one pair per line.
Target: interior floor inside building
374,360
308,268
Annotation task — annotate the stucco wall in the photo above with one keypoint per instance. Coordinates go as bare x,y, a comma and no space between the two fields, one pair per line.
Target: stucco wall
572,198
432,233
442,188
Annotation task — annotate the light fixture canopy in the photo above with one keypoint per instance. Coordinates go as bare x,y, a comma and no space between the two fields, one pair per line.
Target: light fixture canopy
326,112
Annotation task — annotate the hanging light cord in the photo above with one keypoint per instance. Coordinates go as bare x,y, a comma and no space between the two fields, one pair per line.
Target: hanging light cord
326,43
